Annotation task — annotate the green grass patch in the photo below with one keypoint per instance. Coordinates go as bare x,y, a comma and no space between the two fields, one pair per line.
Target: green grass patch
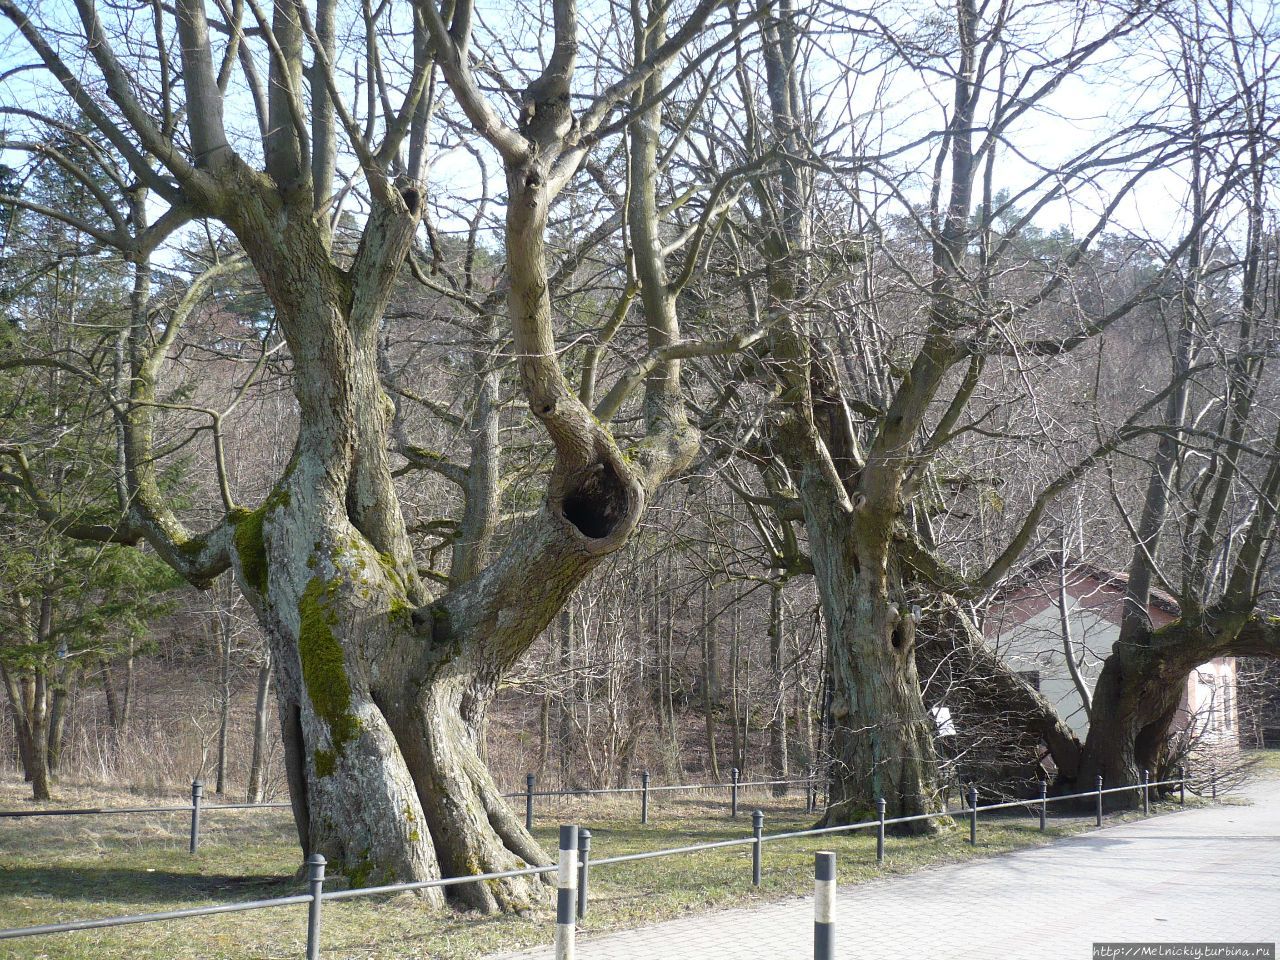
1266,762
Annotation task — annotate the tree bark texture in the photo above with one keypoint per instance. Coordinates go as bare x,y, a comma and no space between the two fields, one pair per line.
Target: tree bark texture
881,743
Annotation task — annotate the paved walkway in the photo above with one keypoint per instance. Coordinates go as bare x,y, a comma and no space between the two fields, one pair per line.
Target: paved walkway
1210,874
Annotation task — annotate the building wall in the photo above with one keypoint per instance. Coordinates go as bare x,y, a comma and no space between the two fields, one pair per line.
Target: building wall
1036,645
1027,631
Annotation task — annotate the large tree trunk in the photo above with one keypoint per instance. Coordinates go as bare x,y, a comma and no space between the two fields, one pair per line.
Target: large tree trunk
881,743
1134,702
1140,689
373,684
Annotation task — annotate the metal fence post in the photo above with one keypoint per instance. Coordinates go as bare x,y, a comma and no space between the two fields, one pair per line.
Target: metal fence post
197,794
1146,793
757,830
1044,802
733,795
824,905
584,867
567,881
811,791
1213,785
973,814
529,781
879,831
644,797
1182,786
1099,799
315,879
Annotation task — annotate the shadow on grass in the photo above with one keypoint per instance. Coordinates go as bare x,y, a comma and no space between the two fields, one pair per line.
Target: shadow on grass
142,887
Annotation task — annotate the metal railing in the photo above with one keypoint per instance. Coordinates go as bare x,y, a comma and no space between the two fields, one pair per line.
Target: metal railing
734,785
575,862
198,807
195,808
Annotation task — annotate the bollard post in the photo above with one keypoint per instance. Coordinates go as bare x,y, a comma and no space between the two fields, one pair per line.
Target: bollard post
566,882
644,797
1044,803
315,880
824,905
879,831
584,868
757,830
1182,786
529,781
1099,799
197,794
973,814
733,795
1146,793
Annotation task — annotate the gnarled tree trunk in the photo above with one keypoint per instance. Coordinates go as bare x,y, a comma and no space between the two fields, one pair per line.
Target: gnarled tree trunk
881,743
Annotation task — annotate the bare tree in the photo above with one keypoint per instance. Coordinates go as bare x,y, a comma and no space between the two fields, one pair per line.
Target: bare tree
381,680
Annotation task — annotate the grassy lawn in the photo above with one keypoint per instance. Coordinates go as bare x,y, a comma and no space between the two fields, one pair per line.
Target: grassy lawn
1267,762
57,869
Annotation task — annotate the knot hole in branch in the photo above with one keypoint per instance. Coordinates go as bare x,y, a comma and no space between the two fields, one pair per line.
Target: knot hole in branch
598,503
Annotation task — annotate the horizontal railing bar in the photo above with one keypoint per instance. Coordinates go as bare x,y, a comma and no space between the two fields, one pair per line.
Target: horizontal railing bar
440,882
866,824
209,807
90,811
581,793
206,807
749,783
93,810
817,831
651,854
73,925
652,789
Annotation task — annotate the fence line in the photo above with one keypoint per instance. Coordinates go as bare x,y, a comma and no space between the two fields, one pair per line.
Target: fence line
735,784
197,806
574,887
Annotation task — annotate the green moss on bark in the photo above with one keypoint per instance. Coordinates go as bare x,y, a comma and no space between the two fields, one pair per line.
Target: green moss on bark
323,671
250,544
252,550
324,761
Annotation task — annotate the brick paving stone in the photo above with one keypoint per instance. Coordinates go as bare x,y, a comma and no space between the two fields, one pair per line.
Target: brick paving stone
1207,874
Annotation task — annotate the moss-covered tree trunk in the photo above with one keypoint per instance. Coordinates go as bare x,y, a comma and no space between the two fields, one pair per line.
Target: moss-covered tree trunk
380,684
